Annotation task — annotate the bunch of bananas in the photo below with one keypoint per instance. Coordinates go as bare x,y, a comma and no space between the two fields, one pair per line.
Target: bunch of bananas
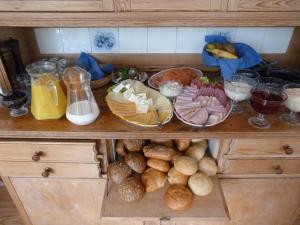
226,51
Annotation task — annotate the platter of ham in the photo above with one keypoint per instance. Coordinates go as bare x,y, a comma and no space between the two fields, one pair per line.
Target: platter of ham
202,105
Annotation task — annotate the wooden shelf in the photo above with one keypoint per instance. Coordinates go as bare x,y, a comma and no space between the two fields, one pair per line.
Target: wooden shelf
133,19
152,207
109,126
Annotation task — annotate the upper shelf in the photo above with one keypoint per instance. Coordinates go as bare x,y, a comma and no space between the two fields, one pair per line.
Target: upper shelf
129,19
110,126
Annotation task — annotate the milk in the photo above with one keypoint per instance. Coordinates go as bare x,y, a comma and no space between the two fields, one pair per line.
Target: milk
237,91
82,112
293,100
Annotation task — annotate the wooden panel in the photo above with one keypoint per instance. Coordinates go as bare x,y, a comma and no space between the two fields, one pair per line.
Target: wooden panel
8,211
61,201
287,147
264,5
58,5
259,168
262,201
57,151
176,5
138,19
152,207
33,169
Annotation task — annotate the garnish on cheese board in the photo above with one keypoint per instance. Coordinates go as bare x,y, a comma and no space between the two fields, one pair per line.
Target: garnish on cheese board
132,101
202,103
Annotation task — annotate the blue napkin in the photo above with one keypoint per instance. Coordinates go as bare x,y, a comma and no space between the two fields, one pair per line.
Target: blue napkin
87,62
248,57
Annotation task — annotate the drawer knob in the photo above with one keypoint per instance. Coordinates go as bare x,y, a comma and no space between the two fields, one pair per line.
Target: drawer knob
288,149
278,169
47,172
37,156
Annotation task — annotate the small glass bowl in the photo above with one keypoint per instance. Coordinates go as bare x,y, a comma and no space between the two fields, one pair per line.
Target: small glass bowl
249,73
170,88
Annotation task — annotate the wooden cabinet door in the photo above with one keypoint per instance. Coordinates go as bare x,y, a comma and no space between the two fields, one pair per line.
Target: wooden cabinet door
58,5
170,5
58,201
264,5
262,201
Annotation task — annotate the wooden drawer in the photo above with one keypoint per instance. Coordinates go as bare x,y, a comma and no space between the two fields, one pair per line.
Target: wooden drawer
56,5
176,5
263,167
264,5
57,151
288,147
33,169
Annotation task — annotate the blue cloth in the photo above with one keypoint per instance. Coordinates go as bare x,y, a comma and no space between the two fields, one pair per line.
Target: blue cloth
248,57
87,62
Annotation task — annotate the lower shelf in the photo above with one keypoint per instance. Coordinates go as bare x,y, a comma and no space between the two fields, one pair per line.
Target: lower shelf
152,207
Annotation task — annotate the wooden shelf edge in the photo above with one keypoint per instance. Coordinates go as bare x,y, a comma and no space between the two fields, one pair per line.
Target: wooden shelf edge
111,19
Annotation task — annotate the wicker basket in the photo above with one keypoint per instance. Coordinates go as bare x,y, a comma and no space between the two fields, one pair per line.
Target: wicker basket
95,84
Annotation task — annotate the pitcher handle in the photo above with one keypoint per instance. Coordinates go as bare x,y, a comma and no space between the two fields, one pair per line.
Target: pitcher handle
52,88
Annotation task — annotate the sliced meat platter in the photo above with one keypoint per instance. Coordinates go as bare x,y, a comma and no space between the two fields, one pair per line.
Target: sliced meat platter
202,104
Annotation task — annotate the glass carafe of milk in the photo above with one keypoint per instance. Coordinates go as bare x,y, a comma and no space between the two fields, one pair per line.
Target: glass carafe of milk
82,108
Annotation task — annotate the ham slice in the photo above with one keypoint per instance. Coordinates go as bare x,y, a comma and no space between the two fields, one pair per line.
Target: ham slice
200,117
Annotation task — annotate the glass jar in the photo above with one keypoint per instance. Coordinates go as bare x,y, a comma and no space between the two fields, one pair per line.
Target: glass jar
82,108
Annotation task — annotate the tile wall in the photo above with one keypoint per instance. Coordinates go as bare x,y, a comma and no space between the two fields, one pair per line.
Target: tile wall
156,39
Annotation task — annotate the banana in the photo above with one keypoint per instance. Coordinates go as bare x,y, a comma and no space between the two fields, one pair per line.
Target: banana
222,54
210,46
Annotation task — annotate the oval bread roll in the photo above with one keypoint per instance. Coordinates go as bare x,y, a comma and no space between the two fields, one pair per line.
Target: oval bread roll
165,142
186,165
182,144
175,177
178,197
208,166
134,145
158,164
136,161
200,184
120,148
153,179
131,189
197,150
118,171
158,152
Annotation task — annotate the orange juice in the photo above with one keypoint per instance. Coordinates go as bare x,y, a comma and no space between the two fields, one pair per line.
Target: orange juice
48,99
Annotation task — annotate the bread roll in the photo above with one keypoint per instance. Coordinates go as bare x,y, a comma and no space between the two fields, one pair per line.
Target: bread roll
175,177
136,161
165,142
118,171
182,144
158,164
131,189
153,179
134,145
208,166
200,184
178,197
197,150
186,165
159,152
120,148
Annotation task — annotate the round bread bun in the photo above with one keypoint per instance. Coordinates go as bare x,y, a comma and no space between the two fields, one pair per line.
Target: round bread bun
165,142
158,164
134,145
153,179
197,150
118,171
131,189
120,148
186,165
208,166
175,177
182,144
178,197
200,184
136,161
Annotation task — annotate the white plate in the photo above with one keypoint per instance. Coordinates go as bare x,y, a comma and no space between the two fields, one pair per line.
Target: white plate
154,86
197,125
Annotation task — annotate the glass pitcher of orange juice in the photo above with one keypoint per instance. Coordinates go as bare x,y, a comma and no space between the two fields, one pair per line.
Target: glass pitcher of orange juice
48,100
